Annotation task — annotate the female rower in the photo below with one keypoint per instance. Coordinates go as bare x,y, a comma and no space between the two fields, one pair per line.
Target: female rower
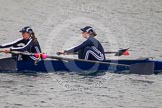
29,41
91,49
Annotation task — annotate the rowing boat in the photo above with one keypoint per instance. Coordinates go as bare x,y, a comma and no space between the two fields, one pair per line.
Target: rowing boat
145,66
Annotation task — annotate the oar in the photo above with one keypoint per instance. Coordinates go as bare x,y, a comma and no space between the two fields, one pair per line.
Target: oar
146,68
44,56
117,53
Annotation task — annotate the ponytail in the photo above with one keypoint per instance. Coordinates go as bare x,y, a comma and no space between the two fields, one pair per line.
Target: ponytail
34,38
93,34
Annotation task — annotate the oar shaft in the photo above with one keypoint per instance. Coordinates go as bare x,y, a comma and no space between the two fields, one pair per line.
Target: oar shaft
109,52
44,56
83,60
117,53
22,53
58,53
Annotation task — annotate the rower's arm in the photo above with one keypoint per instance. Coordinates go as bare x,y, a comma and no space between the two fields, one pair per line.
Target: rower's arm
24,48
10,44
79,47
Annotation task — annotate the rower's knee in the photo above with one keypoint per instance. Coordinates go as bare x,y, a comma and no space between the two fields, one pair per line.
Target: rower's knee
80,54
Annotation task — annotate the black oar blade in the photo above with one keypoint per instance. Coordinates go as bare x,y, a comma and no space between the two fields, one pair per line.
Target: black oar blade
142,68
122,52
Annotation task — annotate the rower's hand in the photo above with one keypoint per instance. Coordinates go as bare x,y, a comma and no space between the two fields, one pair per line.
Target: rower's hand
7,50
61,52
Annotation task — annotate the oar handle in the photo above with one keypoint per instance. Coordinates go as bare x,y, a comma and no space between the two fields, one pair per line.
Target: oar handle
1,51
59,53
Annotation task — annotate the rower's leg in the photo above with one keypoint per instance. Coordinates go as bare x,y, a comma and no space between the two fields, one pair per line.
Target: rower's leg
93,54
80,54
15,56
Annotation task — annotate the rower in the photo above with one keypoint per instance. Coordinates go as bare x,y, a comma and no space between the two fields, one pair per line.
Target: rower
91,49
29,41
